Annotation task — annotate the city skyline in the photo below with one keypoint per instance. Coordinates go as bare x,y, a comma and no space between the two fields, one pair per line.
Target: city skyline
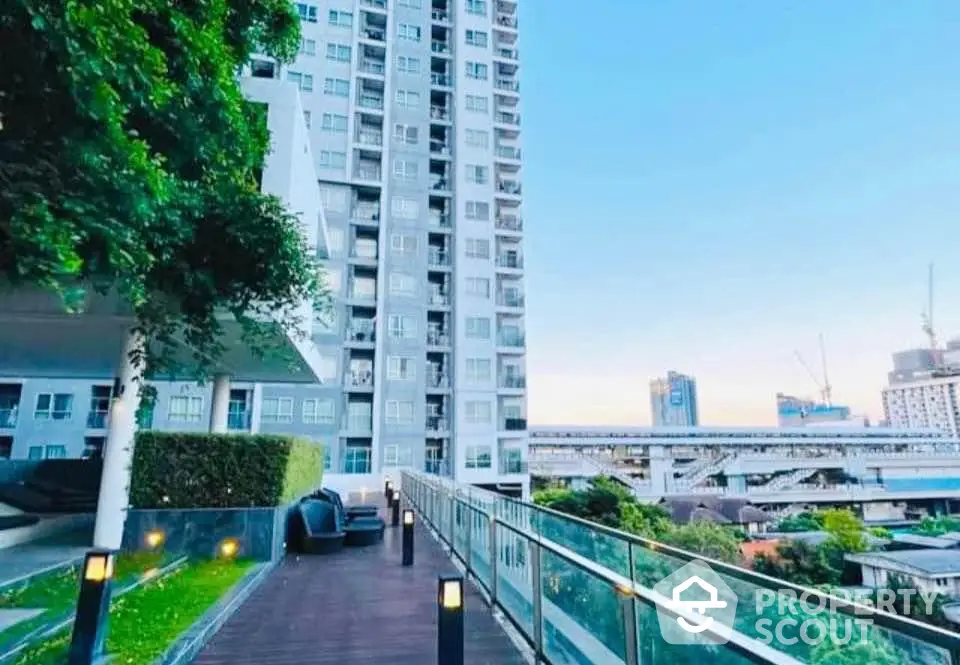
735,182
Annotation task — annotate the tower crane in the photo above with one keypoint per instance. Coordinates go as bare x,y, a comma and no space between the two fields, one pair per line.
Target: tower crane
826,390
927,326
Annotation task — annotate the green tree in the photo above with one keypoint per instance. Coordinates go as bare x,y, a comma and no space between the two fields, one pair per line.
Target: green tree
705,538
845,529
799,563
805,521
129,163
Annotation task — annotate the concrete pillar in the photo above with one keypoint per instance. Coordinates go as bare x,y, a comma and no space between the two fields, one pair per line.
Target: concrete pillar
220,406
118,450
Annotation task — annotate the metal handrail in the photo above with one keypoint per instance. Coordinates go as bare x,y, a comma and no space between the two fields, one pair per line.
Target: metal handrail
927,633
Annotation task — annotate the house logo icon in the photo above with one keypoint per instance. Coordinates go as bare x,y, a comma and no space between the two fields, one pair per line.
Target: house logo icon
700,606
695,606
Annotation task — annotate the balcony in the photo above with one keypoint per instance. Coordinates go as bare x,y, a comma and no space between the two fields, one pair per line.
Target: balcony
510,299
507,53
8,416
374,34
364,295
375,4
369,137
358,423
358,378
369,101
361,331
514,340
513,424
510,223
437,338
440,184
97,419
437,424
437,46
439,113
511,465
438,258
510,85
506,118
371,173
439,221
440,16
511,187
508,152
444,80
373,67
513,381
439,299
366,211
505,20
437,380
510,260
438,147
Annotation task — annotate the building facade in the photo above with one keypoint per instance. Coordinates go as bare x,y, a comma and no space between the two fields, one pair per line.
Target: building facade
798,412
673,401
923,389
413,115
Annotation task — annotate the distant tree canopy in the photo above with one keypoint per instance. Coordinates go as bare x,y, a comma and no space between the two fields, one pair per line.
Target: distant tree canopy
129,161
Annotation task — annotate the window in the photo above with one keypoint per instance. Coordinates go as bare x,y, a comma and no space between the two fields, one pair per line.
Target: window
405,169
276,410
333,160
477,38
478,286
35,453
302,81
55,452
318,411
477,138
408,99
402,284
401,243
478,104
307,118
340,19
334,198
185,409
476,70
336,87
356,459
395,455
478,7
478,457
478,211
478,327
335,239
408,134
53,406
331,122
402,327
402,208
478,248
412,4
478,370
477,174
409,32
308,47
338,52
307,12
399,413
478,412
401,368
408,65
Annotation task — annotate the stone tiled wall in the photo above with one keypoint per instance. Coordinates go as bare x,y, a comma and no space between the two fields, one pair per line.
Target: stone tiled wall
199,532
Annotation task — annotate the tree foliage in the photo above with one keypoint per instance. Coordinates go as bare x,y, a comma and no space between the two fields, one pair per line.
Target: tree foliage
805,521
129,162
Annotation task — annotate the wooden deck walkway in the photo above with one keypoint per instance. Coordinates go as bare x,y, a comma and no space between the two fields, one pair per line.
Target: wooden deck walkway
358,607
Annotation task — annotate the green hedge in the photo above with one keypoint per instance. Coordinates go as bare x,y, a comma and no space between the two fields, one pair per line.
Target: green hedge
200,470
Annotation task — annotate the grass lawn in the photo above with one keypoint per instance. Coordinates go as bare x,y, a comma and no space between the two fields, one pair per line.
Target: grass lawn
146,621
56,592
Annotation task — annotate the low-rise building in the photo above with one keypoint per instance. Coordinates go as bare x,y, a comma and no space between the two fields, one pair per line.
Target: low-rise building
928,570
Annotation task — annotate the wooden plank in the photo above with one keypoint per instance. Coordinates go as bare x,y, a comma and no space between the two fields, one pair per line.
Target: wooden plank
357,607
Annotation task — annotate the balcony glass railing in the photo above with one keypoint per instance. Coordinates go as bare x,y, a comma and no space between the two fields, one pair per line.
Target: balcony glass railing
509,299
437,424
437,380
371,102
508,152
579,592
440,15
441,79
367,173
439,47
370,138
438,257
512,261
507,53
375,34
510,340
507,118
510,85
441,299
509,223
376,4
439,147
8,417
366,212
373,67
361,332
238,421
359,378
439,113
97,419
513,381
507,21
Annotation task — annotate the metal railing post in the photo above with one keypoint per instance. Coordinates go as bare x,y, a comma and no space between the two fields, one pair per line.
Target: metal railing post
494,558
453,522
629,612
537,588
468,555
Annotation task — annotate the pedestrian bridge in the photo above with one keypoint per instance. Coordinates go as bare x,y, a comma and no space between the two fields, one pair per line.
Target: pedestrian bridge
578,593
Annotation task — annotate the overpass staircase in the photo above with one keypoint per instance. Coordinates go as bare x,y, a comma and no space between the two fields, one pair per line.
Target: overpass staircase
700,471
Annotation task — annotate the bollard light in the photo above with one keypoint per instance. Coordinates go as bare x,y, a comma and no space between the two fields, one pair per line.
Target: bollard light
388,488
93,608
407,542
395,505
154,538
229,548
450,620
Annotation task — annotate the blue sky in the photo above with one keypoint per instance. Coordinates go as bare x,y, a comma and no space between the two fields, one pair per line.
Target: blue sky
709,185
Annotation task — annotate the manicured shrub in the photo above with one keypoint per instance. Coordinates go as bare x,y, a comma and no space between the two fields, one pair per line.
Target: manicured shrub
201,470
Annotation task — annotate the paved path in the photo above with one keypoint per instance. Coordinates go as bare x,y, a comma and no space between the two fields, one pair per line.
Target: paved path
358,607
30,557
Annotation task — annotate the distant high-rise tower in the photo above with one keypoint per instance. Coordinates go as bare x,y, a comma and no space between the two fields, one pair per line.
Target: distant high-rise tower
673,401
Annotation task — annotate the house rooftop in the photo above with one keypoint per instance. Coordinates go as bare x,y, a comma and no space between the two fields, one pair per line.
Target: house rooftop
927,563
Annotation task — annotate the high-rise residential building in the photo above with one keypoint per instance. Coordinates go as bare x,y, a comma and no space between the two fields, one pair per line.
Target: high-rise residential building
924,389
799,412
414,109
413,113
673,401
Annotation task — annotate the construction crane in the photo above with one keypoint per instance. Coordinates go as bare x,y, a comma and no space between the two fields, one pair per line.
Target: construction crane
927,326
826,390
